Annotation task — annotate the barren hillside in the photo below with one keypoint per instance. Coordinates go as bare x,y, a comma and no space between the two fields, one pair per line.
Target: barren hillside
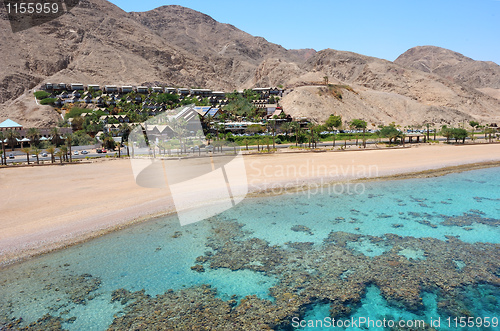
483,75
99,43
387,90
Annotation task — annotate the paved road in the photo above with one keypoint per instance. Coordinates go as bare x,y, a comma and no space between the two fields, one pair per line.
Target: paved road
21,157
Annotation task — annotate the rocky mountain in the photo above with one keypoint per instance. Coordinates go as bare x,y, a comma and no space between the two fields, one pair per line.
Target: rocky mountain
483,75
95,42
98,43
383,91
222,45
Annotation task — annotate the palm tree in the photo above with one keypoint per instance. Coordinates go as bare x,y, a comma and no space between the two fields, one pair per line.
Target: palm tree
275,117
68,137
359,124
27,151
296,126
2,141
311,128
64,151
60,155
12,137
428,132
55,134
488,131
33,135
35,150
51,150
124,131
286,128
127,144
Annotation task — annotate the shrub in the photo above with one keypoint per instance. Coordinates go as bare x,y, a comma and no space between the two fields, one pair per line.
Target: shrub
40,95
278,141
48,101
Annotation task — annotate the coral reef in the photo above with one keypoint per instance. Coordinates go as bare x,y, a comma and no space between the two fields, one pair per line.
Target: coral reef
308,274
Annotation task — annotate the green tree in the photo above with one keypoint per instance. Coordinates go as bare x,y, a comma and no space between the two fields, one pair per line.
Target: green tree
390,131
124,131
275,117
209,137
60,155
296,128
286,128
254,129
428,130
245,142
68,137
447,133
36,151
51,150
459,134
12,136
359,125
474,125
313,134
55,136
107,141
488,134
33,135
332,123
27,151
240,106
2,142
64,152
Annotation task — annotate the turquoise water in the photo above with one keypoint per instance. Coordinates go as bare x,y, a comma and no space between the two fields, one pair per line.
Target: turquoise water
418,249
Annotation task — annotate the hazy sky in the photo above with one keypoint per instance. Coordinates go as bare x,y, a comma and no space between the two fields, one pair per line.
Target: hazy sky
383,29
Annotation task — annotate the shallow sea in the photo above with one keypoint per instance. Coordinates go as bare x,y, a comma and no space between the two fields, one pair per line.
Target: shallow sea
401,250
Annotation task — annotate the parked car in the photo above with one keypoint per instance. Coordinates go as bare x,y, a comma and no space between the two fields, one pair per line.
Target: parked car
33,155
99,151
44,154
104,151
76,153
84,152
209,148
11,156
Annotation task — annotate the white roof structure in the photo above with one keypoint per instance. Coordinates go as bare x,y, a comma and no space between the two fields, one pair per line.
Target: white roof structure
9,124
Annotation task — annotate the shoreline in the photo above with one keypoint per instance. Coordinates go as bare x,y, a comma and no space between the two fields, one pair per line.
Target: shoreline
73,229
430,173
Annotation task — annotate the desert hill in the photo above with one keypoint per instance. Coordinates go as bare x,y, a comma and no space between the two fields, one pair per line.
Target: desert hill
483,75
384,90
98,43
231,52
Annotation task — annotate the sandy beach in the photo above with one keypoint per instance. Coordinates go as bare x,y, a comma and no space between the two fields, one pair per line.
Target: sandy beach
46,208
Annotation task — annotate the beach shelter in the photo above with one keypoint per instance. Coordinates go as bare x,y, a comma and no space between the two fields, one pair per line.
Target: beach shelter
22,141
10,124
